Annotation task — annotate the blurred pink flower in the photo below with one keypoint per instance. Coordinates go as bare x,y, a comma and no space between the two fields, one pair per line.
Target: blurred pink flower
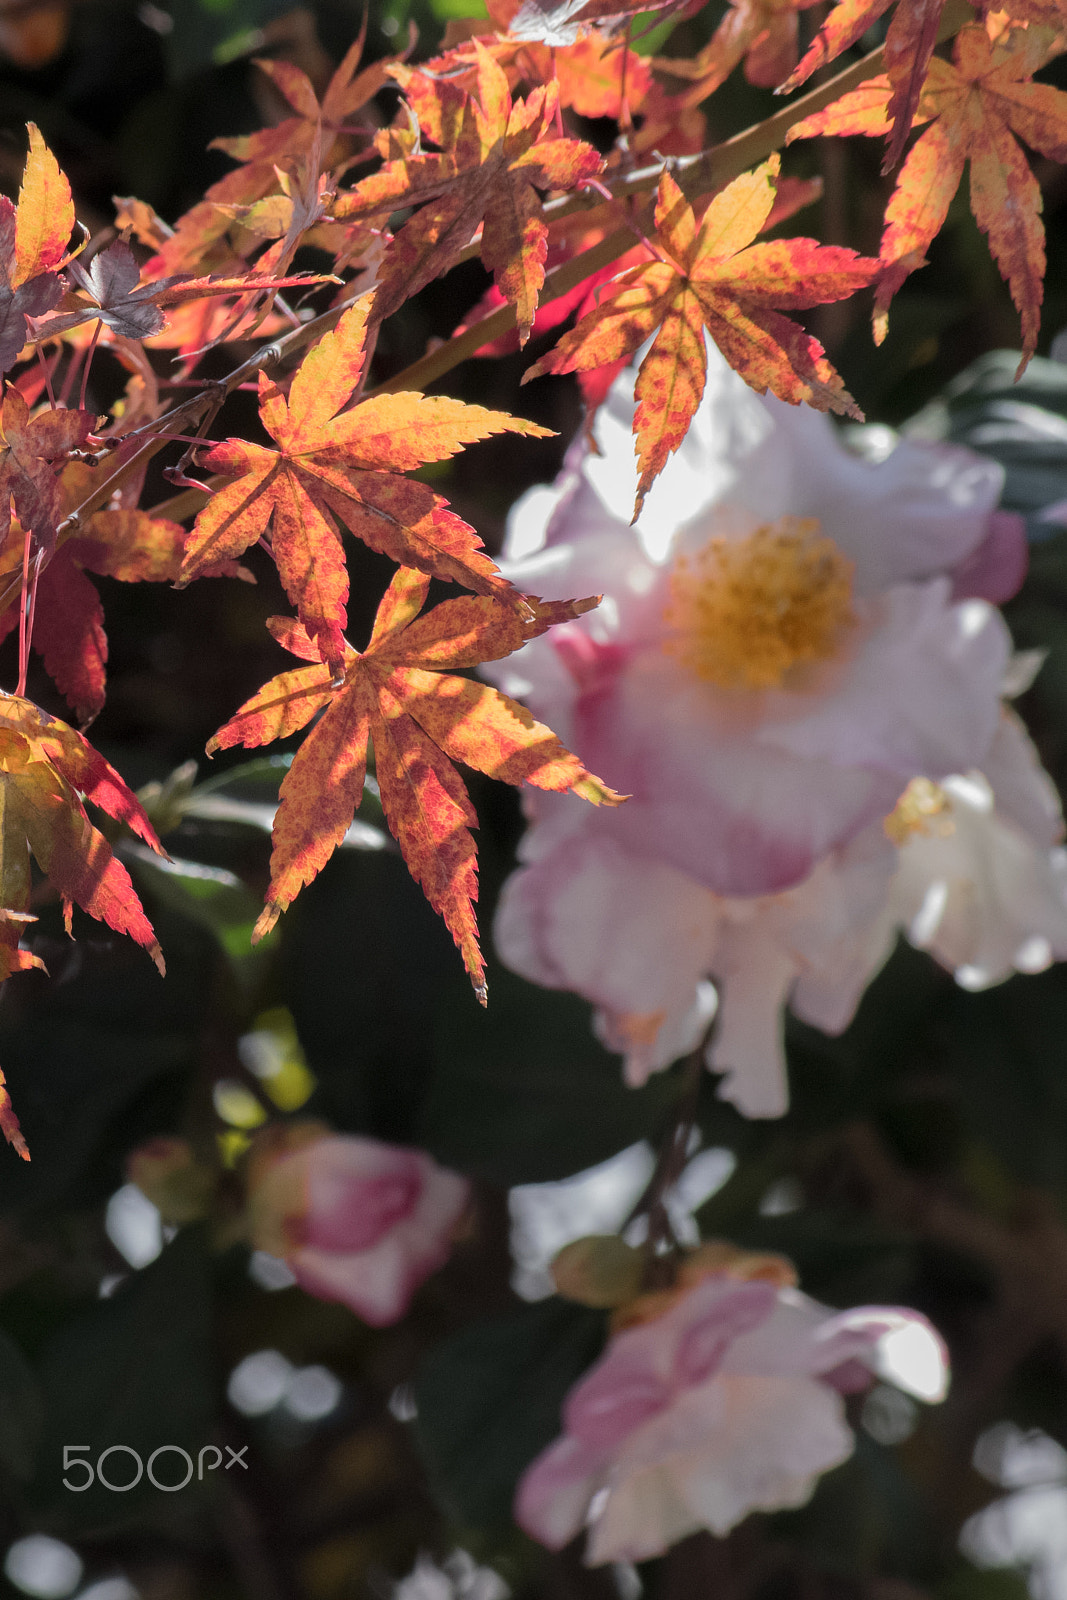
355,1220
729,1403
791,636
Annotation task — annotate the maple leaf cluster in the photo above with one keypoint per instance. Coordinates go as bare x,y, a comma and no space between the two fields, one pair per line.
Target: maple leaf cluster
395,175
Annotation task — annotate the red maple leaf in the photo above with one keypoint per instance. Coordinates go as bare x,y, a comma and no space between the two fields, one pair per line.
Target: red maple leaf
420,718
68,618
594,75
976,105
29,449
46,771
336,466
705,277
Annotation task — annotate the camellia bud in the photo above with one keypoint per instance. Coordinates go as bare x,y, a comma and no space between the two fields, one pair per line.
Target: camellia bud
167,1172
600,1270
355,1220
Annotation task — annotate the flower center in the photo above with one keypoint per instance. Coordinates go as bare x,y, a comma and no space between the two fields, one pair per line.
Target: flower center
924,808
744,612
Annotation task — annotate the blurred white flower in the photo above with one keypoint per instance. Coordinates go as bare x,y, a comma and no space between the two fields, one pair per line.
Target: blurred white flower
457,1578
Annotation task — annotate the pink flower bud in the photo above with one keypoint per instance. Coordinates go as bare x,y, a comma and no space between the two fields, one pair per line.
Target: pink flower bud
355,1220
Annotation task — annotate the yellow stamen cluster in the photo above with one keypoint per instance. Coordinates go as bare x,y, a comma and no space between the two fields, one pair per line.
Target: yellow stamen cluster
744,612
923,808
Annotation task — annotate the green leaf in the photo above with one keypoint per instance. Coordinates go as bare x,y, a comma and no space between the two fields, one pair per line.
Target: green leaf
523,1093
21,1411
489,1401
134,1371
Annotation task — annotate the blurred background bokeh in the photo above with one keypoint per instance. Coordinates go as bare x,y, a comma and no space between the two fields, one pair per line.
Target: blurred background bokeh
924,1161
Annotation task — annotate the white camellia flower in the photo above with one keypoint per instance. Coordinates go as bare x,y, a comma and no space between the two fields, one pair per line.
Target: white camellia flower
797,673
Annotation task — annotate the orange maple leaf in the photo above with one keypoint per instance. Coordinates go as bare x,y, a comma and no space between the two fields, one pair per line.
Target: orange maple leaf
34,236
336,466
909,47
347,92
977,103
496,155
200,236
46,771
705,277
763,33
421,718
595,75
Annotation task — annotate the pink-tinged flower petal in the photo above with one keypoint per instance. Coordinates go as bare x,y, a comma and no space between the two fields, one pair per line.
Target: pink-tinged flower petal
748,1045
717,1321
901,1347
614,1400
1022,789
851,1377
921,696
775,1438
857,931
641,1516
634,934
978,894
921,510
761,765
996,569
712,798
724,1405
554,1492
377,1285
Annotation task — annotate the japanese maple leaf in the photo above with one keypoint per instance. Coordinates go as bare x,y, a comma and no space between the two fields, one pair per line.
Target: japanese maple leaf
347,93
29,446
420,717
909,46
200,236
117,298
33,241
793,195
496,155
335,466
46,771
705,277
977,103
593,75
761,32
